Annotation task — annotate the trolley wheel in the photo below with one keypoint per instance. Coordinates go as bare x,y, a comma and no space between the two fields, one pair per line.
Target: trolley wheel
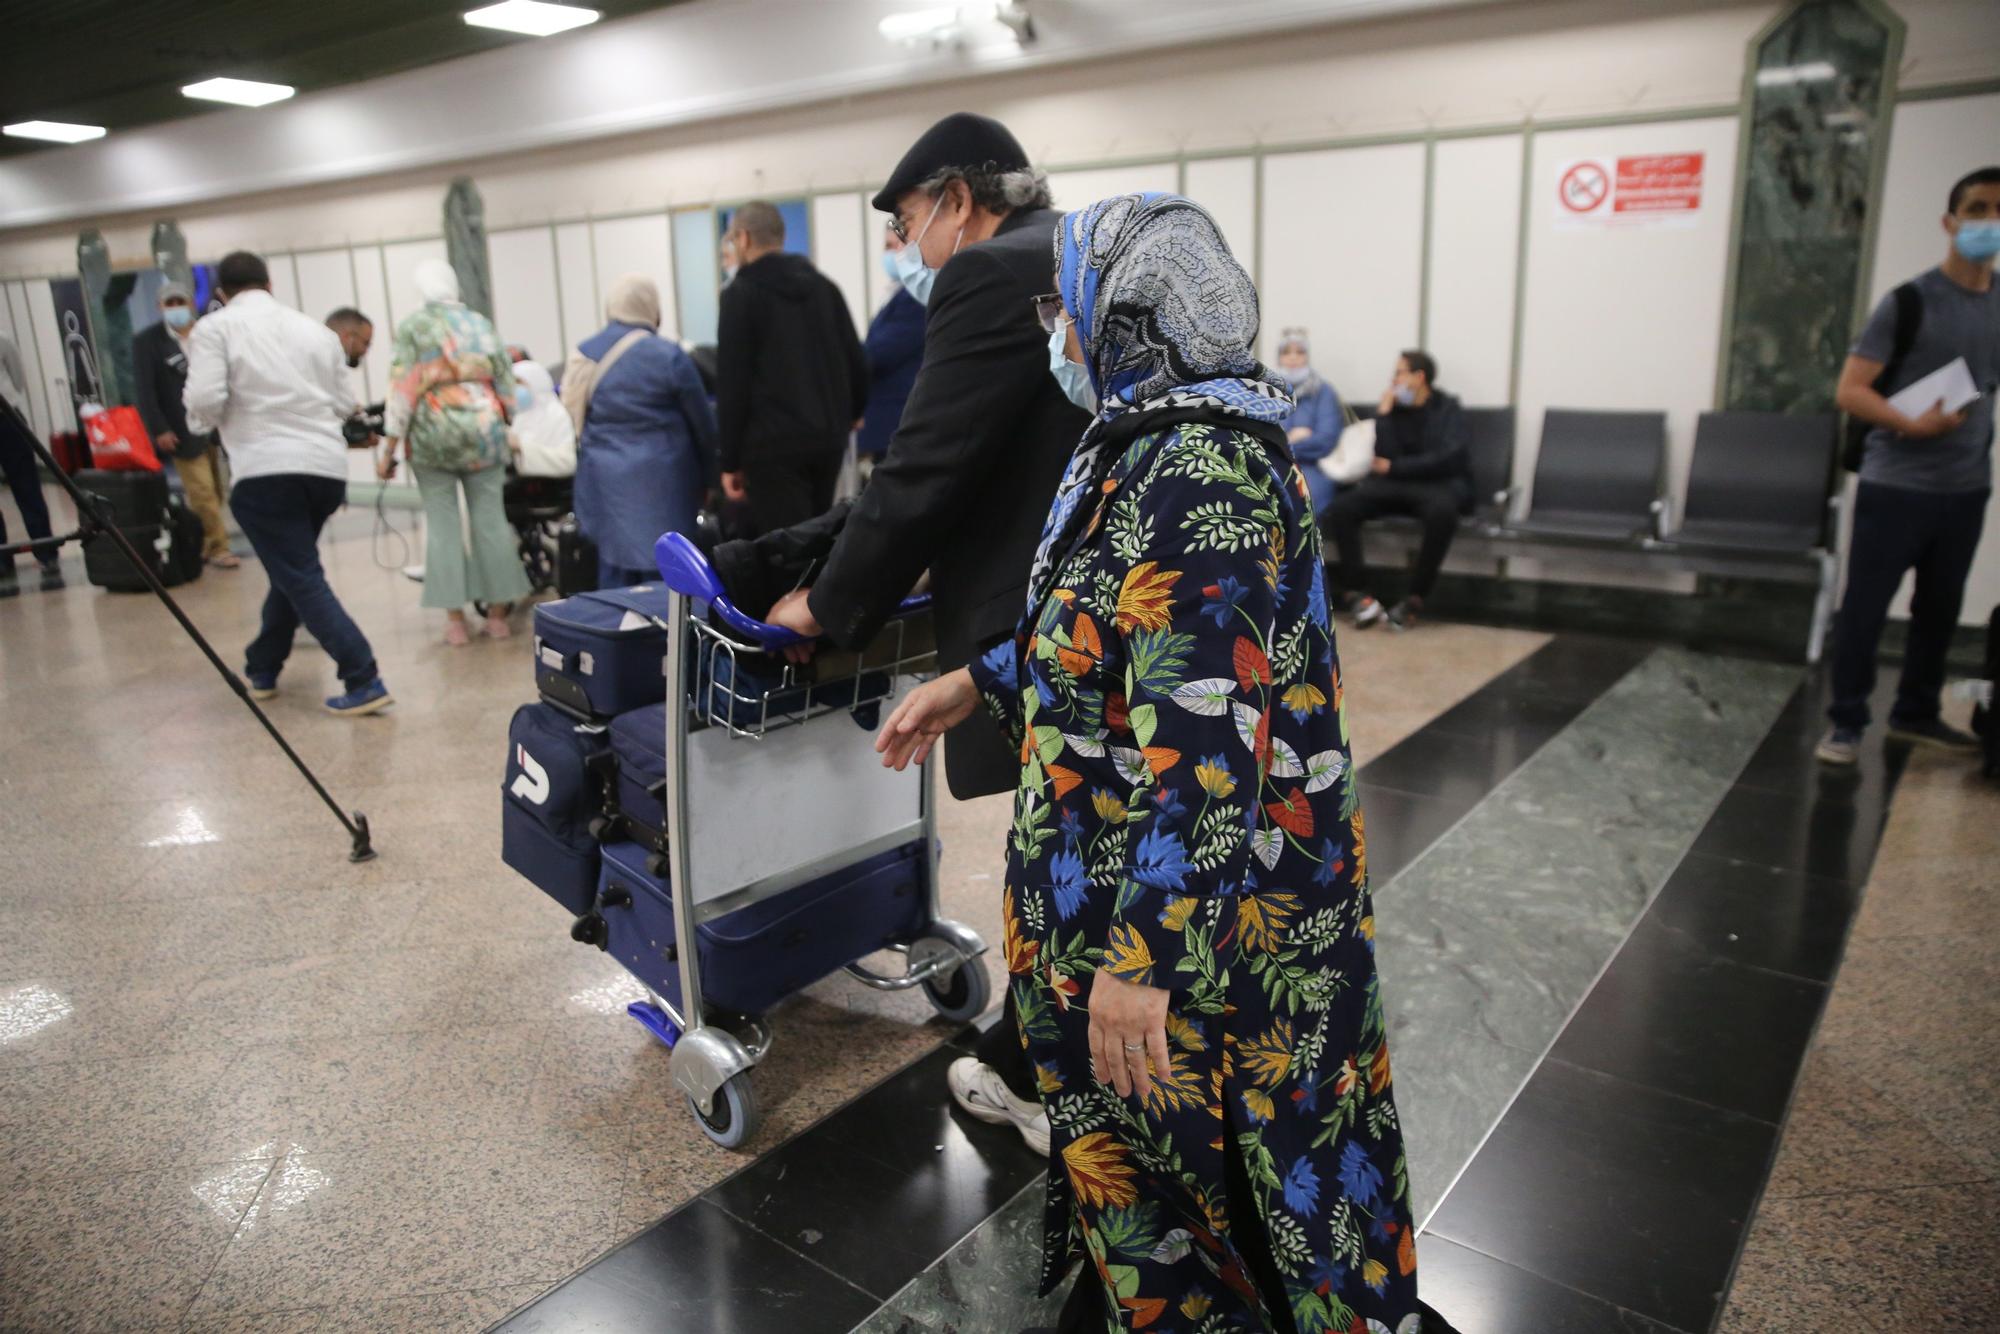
733,1117
963,996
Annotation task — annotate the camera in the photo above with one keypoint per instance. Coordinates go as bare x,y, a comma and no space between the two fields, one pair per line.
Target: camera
362,424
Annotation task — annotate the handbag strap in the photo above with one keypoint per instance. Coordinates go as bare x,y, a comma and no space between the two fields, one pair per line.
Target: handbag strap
587,373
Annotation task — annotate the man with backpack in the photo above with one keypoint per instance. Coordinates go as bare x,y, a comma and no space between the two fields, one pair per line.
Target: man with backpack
1925,474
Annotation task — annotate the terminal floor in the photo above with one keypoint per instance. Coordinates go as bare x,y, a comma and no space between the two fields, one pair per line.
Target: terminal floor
245,1085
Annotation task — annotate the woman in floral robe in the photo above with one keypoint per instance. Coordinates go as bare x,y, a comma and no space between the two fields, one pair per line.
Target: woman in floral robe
1187,921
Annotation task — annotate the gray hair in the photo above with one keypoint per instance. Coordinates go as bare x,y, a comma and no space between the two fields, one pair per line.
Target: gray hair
992,189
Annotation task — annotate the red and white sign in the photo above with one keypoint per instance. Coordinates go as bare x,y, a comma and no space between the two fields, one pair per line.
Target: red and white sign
1650,189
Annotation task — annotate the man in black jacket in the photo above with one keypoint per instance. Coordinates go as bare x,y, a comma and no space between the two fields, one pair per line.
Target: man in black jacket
791,380
1422,468
159,365
969,473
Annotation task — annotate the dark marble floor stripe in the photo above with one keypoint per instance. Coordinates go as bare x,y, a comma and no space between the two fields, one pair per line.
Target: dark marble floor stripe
1627,1171
875,1194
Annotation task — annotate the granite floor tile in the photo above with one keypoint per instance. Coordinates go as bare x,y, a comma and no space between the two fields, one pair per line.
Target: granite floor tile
1785,921
81,1017
128,1251
1844,1134
309,1321
1923,1257
464,1312
96,1118
986,1282
1476,1292
1930,896
371,1225
330,995
1450,1088
1789,832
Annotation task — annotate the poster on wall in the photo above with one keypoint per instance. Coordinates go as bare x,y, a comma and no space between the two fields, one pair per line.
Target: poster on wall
79,349
1647,190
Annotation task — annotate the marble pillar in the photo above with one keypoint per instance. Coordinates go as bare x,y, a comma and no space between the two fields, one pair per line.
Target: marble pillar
1814,134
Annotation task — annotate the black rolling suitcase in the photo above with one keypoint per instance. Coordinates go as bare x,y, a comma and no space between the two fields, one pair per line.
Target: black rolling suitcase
136,504
576,560
184,560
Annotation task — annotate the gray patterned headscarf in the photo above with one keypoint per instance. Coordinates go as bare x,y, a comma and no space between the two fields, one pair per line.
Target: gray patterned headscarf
1165,314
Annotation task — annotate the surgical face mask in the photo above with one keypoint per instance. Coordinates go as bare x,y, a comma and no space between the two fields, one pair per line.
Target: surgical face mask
1073,378
1978,241
915,275
889,265
729,274
1405,395
1295,375
524,397
178,317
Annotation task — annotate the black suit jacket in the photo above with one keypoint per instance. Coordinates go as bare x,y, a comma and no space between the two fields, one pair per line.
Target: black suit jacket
968,477
159,364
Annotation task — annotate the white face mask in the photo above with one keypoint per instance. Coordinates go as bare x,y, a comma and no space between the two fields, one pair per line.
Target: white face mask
1405,395
1074,379
1295,375
917,276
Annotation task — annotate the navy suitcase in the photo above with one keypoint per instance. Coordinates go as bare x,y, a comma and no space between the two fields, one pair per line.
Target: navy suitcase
553,803
603,653
755,957
639,793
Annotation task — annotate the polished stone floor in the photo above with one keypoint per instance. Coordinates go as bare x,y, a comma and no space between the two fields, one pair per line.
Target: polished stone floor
245,1085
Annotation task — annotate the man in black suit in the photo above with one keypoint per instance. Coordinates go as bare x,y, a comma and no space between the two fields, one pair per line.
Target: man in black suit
159,364
969,473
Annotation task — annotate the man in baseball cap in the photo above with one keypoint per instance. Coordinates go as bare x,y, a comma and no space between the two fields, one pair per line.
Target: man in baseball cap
969,473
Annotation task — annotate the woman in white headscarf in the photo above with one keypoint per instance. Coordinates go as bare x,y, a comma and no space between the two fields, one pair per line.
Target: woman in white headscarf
543,437
645,434
451,389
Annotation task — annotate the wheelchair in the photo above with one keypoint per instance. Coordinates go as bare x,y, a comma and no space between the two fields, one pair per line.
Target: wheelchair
536,507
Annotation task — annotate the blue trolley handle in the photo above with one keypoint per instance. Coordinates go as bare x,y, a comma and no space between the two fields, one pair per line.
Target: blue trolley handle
686,571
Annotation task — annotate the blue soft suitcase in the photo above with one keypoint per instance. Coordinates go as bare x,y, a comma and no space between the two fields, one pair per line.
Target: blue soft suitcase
639,743
755,957
604,653
558,775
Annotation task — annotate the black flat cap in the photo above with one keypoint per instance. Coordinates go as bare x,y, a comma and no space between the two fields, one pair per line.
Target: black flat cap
961,139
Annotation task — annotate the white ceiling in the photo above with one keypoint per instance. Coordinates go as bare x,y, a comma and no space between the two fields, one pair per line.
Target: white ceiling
672,67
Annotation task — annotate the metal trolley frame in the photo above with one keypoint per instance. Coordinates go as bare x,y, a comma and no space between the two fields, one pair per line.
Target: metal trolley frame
784,733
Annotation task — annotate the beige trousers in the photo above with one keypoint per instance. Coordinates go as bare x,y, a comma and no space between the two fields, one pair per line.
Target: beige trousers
201,478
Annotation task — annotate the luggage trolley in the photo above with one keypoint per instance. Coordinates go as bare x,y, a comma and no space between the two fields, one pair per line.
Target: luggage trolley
790,747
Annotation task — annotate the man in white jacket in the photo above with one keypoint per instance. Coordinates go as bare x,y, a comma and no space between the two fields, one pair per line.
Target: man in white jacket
274,383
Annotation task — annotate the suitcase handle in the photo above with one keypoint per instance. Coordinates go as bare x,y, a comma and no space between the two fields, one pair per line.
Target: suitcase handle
687,572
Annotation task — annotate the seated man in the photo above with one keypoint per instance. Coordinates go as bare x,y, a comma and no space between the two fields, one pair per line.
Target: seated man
1423,469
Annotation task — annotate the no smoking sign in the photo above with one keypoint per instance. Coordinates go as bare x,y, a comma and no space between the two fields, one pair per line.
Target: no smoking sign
1584,187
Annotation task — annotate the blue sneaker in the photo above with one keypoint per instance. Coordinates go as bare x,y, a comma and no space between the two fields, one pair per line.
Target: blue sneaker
263,685
371,698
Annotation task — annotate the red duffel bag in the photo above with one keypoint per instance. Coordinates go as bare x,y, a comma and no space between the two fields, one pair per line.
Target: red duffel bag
118,440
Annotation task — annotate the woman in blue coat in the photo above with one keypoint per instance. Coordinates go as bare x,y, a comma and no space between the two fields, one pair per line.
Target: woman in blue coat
1314,427
646,439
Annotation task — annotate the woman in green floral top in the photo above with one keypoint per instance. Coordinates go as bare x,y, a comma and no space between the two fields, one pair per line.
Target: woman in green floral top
451,393
1187,922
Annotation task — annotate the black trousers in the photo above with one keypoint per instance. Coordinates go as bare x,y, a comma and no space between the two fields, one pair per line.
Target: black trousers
1433,504
791,489
1896,531
1000,1047
17,461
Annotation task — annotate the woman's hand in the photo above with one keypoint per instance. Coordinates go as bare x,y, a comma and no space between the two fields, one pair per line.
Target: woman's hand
926,714
385,462
1128,1028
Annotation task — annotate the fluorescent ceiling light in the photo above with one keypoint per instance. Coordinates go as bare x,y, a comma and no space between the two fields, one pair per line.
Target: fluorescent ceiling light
55,131
534,18
1816,71
241,92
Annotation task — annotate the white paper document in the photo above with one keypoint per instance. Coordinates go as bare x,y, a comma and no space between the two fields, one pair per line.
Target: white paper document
1952,383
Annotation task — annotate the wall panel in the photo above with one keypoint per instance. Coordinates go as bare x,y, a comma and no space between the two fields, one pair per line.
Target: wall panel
399,268
1342,255
54,372
525,307
371,298
576,278
1475,230
1227,188
697,273
284,279
20,327
326,281
638,245
1074,189
841,253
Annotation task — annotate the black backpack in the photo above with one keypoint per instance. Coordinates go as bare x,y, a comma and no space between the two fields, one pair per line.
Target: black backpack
1909,315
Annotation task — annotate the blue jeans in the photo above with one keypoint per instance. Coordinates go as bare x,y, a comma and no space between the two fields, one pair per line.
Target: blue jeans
1897,530
282,516
17,461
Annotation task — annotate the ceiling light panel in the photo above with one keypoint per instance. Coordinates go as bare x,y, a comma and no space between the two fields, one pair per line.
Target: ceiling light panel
531,18
238,92
54,131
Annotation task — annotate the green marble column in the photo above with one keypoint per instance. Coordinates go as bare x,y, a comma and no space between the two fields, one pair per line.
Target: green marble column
1816,133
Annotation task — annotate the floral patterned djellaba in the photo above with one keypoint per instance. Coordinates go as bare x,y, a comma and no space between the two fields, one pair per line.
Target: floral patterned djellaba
1187,819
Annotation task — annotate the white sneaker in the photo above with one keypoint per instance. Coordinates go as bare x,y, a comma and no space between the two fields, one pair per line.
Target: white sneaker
978,1088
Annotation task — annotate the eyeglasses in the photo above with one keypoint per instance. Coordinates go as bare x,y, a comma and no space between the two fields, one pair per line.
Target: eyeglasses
900,226
1049,312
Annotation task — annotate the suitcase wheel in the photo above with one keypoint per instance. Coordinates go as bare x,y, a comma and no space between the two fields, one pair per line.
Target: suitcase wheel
963,996
589,929
732,1119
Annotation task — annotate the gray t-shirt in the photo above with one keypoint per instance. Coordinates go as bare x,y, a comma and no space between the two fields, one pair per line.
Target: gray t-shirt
1957,322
